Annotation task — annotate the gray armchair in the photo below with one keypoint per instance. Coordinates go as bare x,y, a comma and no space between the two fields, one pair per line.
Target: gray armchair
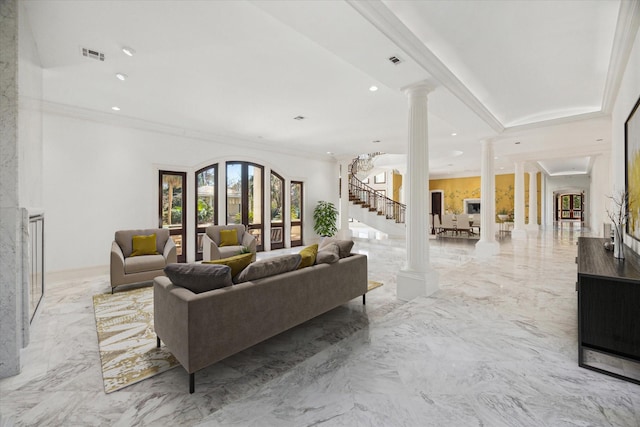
126,269
211,248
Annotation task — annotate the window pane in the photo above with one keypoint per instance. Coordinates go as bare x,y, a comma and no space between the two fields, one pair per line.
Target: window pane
277,198
234,193
565,202
296,232
206,197
577,202
296,202
255,194
171,201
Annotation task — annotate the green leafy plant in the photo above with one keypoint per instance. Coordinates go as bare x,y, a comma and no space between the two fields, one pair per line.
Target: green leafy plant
325,216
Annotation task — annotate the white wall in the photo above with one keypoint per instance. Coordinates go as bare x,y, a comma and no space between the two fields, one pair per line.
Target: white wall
99,178
626,99
29,117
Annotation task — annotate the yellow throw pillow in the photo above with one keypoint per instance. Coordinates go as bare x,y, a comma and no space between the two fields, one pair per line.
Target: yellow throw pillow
228,238
144,245
237,263
308,255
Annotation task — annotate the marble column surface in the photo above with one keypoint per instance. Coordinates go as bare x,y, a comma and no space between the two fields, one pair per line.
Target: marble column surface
496,345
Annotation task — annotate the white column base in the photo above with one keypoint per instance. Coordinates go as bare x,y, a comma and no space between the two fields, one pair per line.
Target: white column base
413,284
518,233
487,249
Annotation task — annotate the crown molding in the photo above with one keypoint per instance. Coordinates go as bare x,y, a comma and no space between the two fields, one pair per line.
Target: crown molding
147,125
555,122
626,30
390,25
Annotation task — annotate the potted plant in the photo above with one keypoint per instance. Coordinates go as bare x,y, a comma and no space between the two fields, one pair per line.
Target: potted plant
325,216
503,214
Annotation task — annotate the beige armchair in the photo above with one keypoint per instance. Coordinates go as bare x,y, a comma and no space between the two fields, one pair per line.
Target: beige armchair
126,269
211,248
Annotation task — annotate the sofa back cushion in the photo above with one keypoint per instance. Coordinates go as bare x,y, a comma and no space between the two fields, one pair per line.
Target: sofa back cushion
124,239
344,245
199,278
213,231
269,267
328,254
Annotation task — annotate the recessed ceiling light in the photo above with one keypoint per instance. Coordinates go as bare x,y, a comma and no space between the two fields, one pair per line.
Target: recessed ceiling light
454,134
121,76
330,153
501,167
115,108
128,51
373,88
495,158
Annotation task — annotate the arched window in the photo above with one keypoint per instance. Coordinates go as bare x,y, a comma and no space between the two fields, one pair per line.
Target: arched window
206,208
277,211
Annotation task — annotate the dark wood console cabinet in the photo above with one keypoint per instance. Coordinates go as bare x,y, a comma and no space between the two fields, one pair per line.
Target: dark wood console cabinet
608,304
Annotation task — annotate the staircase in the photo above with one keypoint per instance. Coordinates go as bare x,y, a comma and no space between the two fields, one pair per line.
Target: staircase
370,206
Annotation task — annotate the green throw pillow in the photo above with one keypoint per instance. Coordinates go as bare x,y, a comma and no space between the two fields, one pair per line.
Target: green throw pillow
308,255
144,245
228,238
237,263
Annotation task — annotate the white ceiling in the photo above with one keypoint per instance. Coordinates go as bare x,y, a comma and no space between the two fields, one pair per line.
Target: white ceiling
535,72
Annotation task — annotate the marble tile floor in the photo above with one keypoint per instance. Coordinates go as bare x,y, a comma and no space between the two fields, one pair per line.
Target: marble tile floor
495,346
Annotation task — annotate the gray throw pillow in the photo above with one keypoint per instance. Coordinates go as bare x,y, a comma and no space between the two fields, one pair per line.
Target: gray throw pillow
199,278
328,254
269,267
344,245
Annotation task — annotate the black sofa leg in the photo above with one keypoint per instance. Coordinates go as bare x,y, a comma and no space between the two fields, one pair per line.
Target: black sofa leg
192,382
158,341
364,299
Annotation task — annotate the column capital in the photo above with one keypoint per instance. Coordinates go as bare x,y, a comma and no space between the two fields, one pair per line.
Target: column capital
421,88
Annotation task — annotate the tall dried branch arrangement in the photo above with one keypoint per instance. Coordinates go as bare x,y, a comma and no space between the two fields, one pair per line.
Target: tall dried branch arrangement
619,214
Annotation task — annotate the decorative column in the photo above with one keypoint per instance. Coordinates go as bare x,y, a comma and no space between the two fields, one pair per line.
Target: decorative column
487,246
518,231
418,277
12,298
533,201
343,231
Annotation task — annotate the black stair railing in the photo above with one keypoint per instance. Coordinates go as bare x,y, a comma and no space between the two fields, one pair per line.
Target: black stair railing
367,197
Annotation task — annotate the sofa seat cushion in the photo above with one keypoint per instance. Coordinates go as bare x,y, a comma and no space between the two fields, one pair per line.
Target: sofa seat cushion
142,263
269,267
199,278
229,251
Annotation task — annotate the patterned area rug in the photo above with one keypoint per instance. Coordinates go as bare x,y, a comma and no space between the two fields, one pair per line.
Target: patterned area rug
373,284
126,339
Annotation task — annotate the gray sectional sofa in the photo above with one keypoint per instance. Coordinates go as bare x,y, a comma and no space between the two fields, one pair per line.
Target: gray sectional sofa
203,328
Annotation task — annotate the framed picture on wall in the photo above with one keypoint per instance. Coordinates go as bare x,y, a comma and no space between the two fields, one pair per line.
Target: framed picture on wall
381,178
632,166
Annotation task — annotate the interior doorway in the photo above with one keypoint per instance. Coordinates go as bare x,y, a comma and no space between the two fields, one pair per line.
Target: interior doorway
569,207
437,206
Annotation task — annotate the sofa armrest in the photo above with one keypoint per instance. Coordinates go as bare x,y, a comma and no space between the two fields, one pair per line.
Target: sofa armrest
210,249
170,251
249,241
117,265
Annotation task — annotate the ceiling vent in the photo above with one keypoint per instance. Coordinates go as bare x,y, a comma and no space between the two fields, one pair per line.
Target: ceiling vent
299,118
395,60
90,53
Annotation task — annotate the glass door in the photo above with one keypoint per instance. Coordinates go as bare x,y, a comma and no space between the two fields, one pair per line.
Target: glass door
296,213
206,203
277,211
245,197
172,210
570,207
